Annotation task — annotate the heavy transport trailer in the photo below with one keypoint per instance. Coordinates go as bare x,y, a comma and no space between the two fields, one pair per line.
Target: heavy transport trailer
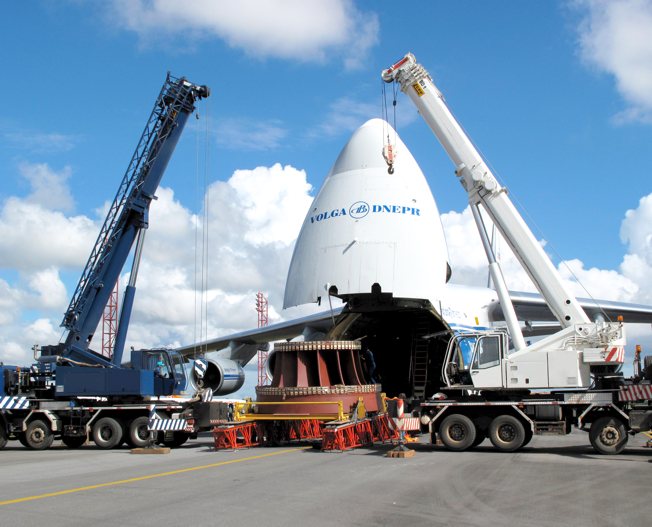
36,424
510,422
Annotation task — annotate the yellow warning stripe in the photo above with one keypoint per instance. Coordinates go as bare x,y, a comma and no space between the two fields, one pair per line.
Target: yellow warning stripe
143,478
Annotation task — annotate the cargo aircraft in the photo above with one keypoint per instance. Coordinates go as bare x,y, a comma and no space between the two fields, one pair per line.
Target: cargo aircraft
373,242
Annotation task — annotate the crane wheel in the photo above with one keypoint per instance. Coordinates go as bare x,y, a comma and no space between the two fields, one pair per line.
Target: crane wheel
457,432
107,433
73,441
608,435
507,433
3,436
138,433
38,435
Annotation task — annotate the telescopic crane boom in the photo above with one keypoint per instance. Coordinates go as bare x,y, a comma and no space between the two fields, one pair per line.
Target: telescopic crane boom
125,224
578,332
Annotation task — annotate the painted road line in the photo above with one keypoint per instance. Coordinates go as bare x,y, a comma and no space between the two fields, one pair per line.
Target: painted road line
150,476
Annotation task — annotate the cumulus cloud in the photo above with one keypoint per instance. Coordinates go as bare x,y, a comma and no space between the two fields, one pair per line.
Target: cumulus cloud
49,187
614,37
286,29
185,293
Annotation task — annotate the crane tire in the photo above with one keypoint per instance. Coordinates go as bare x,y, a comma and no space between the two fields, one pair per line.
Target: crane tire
608,435
38,435
3,436
73,441
138,433
457,432
507,433
107,433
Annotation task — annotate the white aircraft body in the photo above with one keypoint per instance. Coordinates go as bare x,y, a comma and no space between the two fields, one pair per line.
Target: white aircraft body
374,239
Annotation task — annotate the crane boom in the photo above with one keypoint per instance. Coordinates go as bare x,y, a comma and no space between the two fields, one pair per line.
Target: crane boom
483,188
564,359
128,215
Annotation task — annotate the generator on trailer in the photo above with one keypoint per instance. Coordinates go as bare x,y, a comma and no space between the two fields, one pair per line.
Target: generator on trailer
70,391
493,382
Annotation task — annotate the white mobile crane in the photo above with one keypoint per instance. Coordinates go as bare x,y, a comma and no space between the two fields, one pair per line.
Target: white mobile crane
582,358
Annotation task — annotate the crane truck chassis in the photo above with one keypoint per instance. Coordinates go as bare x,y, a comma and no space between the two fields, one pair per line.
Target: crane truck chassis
494,383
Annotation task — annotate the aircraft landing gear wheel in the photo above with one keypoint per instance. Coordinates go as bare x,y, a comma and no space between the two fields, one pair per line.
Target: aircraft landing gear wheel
38,435
457,432
138,433
507,433
73,441
608,435
107,433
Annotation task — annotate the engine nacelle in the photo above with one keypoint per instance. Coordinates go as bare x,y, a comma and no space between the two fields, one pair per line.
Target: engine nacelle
223,376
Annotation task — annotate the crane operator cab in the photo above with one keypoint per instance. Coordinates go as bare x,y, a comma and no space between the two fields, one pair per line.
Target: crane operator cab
167,365
474,360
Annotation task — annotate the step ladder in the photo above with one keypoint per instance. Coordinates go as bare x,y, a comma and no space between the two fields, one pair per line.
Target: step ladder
419,361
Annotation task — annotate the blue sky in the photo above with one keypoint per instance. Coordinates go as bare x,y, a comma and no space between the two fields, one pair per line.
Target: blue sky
557,95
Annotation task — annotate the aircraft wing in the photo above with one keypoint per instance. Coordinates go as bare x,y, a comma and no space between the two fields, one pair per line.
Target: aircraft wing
532,307
250,339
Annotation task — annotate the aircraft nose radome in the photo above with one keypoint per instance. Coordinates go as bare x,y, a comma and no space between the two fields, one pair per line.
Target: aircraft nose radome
365,148
369,226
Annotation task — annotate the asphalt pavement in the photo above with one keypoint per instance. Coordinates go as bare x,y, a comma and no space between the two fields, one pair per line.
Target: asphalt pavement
553,481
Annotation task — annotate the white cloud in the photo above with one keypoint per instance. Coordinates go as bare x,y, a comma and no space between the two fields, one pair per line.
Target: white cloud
345,115
615,37
49,188
38,142
286,29
251,135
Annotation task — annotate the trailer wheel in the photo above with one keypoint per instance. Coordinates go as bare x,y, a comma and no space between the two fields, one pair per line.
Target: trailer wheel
507,433
457,432
38,435
3,436
138,432
73,441
608,435
107,433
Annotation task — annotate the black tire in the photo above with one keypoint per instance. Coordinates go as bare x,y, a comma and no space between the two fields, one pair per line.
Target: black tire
507,433
480,436
107,433
138,433
457,432
73,441
177,439
38,435
21,439
608,435
3,436
528,436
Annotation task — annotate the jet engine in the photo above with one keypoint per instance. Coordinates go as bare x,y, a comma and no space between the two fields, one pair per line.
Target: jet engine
223,376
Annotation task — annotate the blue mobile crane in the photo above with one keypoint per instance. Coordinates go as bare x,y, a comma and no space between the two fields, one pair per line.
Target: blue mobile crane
71,391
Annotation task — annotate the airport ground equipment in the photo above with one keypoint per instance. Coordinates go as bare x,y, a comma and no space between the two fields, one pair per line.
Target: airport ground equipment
70,391
489,376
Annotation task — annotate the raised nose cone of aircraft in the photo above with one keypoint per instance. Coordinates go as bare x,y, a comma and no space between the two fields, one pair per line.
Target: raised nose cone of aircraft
369,226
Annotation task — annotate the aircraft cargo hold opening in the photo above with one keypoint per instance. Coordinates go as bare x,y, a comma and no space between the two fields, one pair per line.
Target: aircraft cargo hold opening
402,346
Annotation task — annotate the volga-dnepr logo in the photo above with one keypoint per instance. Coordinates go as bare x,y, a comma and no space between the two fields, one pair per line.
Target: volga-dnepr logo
361,209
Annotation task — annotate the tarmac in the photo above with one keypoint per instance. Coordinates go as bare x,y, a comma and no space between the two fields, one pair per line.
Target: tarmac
553,481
